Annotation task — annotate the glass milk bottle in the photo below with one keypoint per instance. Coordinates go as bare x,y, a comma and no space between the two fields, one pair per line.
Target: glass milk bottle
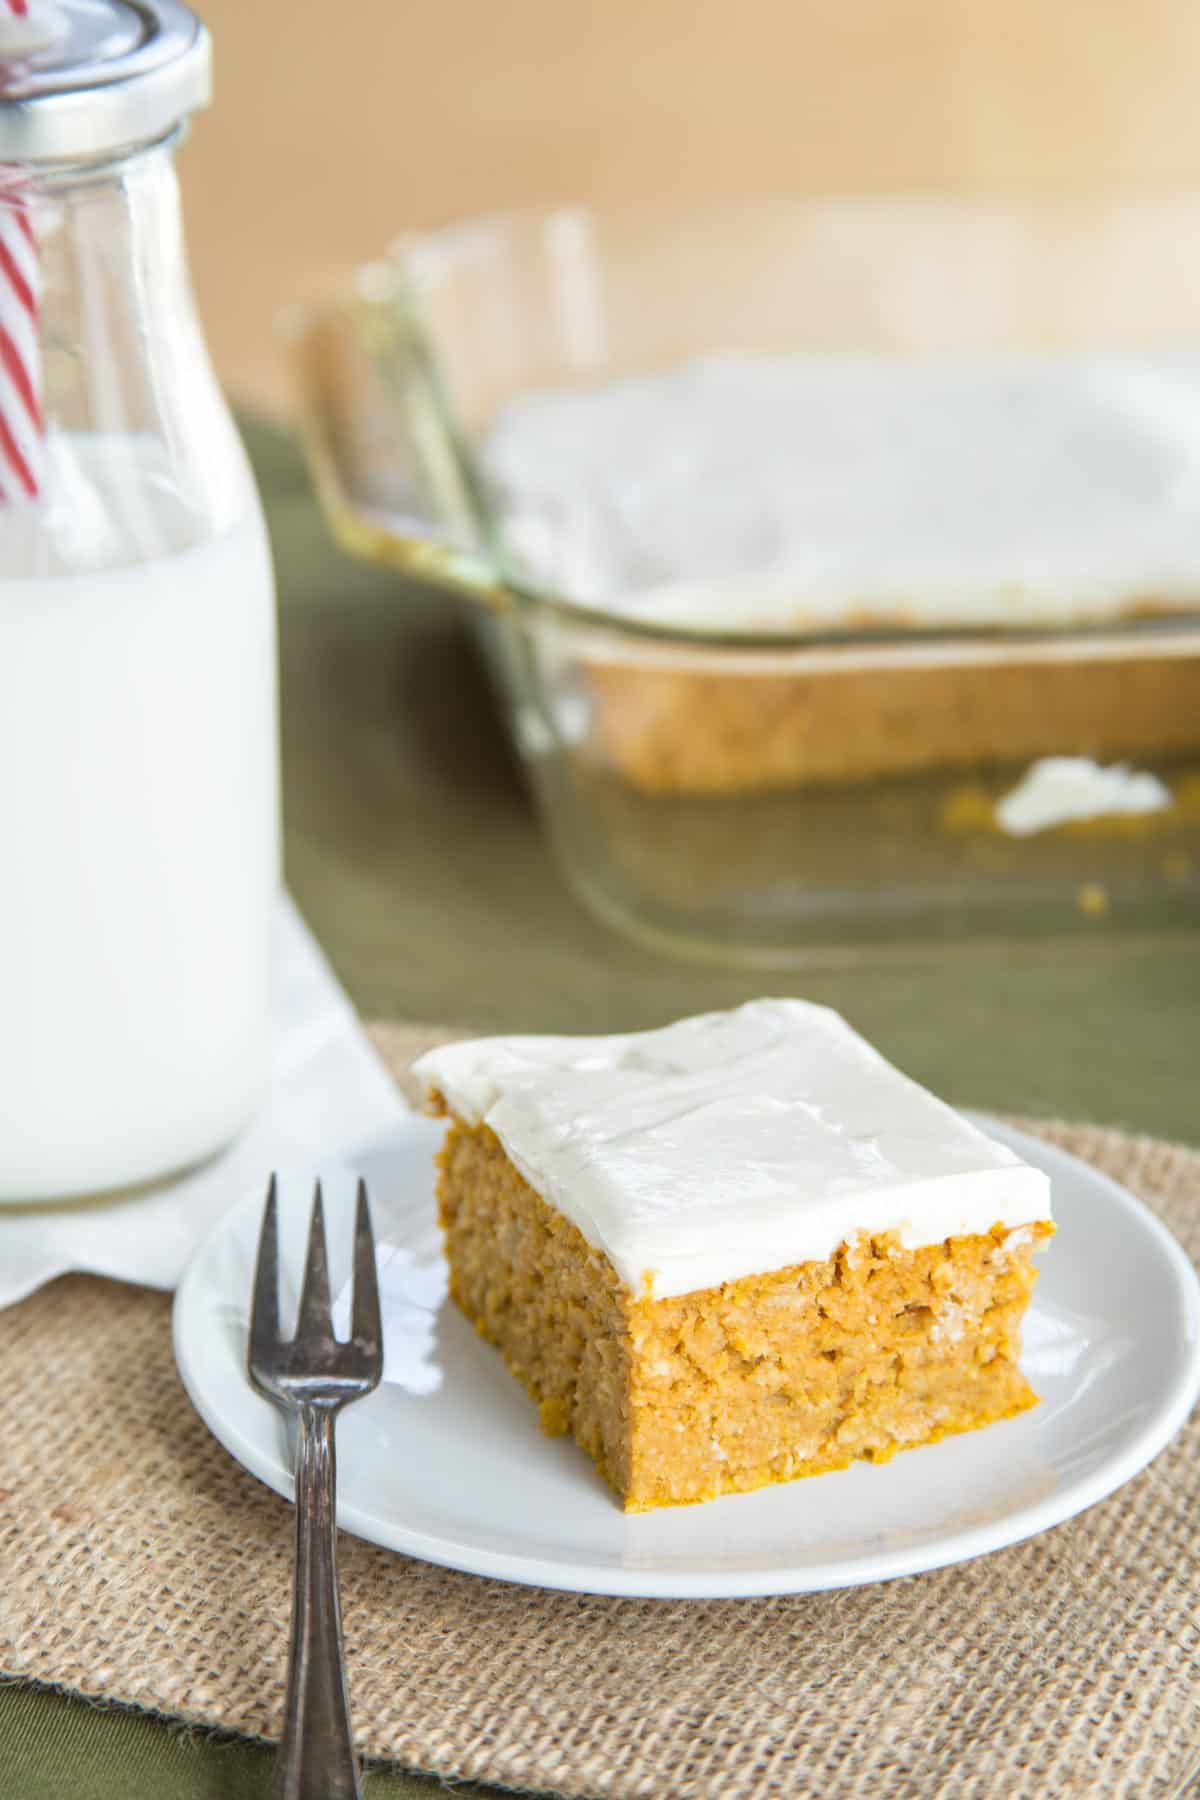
138,762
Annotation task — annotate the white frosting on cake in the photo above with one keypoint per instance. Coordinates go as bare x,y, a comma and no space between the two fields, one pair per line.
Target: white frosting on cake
780,492
733,1143
1057,790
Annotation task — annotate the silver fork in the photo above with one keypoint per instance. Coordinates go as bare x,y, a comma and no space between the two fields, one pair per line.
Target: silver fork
314,1376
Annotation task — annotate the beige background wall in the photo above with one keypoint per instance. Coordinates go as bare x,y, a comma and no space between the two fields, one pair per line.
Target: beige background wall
338,122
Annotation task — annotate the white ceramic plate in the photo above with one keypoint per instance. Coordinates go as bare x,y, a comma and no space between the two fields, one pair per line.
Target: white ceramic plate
446,1462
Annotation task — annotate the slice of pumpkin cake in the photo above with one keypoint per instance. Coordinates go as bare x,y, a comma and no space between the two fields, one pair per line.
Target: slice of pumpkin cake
735,1250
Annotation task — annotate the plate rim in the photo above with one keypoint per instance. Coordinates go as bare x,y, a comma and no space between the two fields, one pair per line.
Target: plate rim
575,1575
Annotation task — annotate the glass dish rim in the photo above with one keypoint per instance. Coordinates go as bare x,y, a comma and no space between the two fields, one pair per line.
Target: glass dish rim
486,575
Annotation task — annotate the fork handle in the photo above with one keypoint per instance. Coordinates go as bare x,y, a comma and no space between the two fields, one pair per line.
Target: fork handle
316,1759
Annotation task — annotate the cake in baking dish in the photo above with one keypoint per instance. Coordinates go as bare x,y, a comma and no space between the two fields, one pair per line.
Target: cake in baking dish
1005,500
736,1250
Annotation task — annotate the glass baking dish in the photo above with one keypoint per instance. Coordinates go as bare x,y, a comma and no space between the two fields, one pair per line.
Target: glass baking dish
839,564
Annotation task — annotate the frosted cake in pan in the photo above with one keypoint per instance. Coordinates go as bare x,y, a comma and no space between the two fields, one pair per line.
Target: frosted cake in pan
803,495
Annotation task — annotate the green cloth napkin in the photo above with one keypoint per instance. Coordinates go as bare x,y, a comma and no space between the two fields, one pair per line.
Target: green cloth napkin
53,1747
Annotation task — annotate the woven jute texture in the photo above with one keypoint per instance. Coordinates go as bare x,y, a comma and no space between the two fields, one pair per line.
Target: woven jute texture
138,1562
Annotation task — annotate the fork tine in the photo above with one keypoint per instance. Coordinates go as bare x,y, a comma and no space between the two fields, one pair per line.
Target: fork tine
365,1326
264,1311
313,1318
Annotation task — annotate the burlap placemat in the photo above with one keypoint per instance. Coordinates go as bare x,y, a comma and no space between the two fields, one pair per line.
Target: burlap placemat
138,1562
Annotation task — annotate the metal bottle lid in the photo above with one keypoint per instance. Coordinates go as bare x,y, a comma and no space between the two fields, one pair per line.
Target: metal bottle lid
82,78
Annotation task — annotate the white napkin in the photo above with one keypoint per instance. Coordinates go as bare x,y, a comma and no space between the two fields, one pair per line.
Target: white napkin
409,1261
330,1100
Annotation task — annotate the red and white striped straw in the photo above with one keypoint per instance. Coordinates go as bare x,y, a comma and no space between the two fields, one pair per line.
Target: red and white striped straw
22,426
